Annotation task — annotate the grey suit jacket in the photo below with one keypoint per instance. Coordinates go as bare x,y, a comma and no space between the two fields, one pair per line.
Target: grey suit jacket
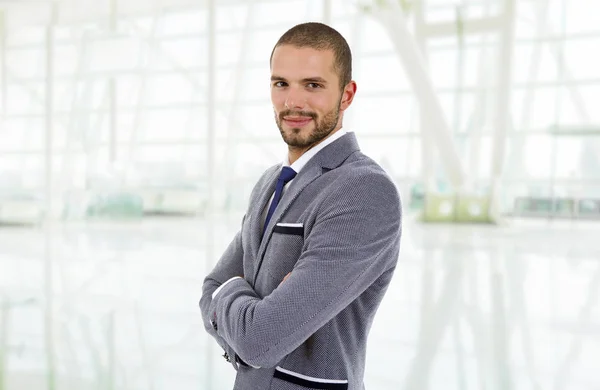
309,332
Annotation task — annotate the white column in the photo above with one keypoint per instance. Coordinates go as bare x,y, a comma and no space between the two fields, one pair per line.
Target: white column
3,79
327,12
239,85
112,136
502,114
541,12
427,147
112,90
210,168
479,119
151,48
49,204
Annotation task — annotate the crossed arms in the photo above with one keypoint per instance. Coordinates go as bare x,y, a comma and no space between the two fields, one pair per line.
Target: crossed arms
355,239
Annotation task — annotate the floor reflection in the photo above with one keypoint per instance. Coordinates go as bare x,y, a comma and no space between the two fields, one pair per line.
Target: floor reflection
470,307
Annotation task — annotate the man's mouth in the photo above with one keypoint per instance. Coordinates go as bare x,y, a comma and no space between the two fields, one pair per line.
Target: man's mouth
297,121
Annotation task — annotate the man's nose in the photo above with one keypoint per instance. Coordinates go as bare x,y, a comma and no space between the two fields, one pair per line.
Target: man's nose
295,99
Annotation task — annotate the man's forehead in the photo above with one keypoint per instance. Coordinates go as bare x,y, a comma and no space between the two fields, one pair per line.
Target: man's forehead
303,52
302,62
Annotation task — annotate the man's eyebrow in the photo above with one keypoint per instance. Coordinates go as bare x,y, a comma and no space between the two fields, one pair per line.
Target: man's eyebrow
319,80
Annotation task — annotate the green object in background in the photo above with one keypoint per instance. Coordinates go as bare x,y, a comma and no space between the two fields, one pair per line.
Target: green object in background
439,208
473,209
116,205
417,197
456,208
564,206
541,204
589,208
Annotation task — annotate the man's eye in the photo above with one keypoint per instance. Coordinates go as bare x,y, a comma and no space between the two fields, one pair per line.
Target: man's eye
280,84
314,85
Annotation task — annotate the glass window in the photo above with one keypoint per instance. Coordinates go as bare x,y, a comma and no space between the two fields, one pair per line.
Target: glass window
528,69
536,108
164,125
190,21
261,45
26,63
579,61
581,16
68,60
390,115
168,89
442,65
282,13
109,54
538,156
24,34
182,53
377,74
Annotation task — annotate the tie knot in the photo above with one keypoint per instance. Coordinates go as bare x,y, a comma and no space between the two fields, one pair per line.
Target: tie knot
287,174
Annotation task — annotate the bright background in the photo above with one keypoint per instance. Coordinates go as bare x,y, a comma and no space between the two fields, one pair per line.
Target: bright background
132,132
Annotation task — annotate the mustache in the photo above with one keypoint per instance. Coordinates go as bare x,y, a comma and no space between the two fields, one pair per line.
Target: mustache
297,113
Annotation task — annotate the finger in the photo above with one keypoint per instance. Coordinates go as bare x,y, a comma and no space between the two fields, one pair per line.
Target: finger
285,277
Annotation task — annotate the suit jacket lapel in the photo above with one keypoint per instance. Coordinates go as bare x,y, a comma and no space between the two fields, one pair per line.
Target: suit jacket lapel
331,157
256,225
303,179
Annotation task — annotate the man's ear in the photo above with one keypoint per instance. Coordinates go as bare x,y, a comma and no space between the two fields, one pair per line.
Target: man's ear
348,95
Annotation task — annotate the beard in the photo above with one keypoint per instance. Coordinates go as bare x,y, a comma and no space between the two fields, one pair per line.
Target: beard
323,127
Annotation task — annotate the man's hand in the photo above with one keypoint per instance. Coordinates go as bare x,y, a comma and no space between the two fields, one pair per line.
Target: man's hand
285,278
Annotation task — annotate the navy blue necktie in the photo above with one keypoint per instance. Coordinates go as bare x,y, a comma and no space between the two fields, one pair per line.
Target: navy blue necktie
285,176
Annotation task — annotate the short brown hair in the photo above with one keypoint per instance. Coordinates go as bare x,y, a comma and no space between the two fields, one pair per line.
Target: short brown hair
320,36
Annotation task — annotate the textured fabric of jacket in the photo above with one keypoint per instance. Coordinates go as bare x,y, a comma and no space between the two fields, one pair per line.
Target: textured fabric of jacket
337,230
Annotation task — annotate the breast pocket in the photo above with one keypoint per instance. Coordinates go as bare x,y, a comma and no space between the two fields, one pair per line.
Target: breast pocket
290,380
284,250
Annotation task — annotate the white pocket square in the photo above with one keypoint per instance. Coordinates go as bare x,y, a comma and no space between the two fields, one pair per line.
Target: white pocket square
282,224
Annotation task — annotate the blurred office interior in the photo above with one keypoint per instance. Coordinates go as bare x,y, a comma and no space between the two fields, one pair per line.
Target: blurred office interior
132,132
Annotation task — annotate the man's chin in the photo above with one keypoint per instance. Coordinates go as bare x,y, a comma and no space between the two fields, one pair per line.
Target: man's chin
294,134
295,142
297,130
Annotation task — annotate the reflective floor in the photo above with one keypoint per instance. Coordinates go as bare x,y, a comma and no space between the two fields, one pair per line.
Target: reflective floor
470,307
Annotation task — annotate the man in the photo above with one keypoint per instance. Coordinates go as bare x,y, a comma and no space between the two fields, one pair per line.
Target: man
293,297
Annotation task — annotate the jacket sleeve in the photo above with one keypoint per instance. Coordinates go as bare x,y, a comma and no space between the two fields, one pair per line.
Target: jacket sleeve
229,265
354,240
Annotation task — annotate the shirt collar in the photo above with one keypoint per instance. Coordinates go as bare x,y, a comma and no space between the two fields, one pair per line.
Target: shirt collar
310,153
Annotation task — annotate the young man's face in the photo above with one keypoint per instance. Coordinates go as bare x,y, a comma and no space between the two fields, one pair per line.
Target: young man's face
306,95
